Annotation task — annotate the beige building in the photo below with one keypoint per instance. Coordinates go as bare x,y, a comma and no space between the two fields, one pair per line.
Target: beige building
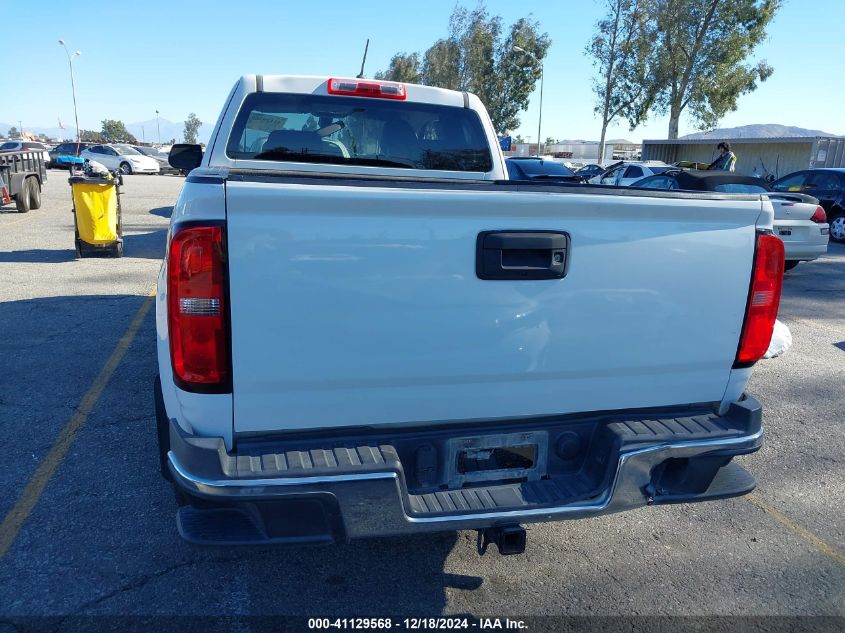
580,151
755,156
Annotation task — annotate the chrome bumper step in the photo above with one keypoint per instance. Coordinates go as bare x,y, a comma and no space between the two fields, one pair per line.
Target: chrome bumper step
285,491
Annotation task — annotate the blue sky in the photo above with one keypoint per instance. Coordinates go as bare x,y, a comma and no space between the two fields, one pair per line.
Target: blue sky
184,56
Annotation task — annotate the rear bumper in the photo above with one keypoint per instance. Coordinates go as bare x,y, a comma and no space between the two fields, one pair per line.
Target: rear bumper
290,491
804,240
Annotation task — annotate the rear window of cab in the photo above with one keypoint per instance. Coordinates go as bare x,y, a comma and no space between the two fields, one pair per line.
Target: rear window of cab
359,131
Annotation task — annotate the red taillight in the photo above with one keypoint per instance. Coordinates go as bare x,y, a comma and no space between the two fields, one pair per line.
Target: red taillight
359,88
763,300
199,346
819,216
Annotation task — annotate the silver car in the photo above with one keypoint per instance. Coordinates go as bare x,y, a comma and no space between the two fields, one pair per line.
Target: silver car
627,173
799,220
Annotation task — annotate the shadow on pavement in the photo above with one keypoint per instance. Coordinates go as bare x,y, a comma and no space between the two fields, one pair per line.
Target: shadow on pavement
143,245
50,353
102,537
162,212
39,256
147,245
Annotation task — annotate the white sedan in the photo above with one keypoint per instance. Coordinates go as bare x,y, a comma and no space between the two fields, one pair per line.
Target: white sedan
121,157
799,220
626,173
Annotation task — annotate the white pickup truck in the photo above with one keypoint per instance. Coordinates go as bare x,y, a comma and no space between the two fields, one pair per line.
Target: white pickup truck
365,329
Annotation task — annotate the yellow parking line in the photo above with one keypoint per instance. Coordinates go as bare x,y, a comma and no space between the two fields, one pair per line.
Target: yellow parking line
820,544
32,493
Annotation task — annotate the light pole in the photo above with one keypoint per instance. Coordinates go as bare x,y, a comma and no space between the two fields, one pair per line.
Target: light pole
540,122
72,86
158,127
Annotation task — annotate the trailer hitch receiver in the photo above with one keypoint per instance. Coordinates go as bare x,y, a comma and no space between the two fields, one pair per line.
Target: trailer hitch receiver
510,539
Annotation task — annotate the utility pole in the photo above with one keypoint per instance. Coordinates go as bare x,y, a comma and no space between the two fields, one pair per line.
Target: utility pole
72,86
158,127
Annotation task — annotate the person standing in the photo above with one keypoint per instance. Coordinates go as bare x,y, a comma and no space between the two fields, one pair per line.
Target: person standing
726,160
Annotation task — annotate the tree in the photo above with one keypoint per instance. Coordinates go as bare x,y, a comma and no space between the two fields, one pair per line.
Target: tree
518,139
192,126
440,65
477,56
699,57
621,48
115,132
549,141
91,136
404,67
13,132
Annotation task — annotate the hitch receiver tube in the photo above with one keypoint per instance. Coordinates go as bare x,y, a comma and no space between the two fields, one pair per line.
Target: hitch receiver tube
510,539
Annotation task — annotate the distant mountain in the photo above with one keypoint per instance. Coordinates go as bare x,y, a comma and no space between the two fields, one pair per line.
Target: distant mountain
144,130
52,132
759,130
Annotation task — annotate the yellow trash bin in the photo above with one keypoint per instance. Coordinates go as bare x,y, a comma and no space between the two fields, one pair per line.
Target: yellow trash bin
96,209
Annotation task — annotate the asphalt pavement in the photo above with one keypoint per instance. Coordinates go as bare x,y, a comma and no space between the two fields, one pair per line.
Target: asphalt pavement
93,531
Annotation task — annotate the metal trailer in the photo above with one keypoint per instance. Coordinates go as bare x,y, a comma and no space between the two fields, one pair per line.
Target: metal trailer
827,152
21,177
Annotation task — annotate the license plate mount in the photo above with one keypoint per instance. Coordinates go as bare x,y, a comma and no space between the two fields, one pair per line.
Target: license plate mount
497,457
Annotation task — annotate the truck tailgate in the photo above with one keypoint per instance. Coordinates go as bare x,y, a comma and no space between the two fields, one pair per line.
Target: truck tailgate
360,305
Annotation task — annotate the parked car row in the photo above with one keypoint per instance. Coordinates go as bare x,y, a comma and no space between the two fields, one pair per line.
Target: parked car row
627,173
809,205
799,219
158,156
129,159
118,156
826,185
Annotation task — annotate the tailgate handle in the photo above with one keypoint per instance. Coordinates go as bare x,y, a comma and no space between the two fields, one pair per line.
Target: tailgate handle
522,255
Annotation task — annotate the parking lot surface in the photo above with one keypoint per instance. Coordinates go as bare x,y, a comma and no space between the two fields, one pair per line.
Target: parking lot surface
88,523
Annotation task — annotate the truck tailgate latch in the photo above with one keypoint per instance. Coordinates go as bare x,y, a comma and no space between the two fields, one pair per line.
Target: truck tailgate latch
522,255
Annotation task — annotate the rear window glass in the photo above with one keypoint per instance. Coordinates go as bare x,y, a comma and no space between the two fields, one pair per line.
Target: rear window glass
359,131
739,187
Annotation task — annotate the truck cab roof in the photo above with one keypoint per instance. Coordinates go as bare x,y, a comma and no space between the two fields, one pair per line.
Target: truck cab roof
316,84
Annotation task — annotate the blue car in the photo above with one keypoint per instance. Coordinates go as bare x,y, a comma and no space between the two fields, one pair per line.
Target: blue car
66,154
